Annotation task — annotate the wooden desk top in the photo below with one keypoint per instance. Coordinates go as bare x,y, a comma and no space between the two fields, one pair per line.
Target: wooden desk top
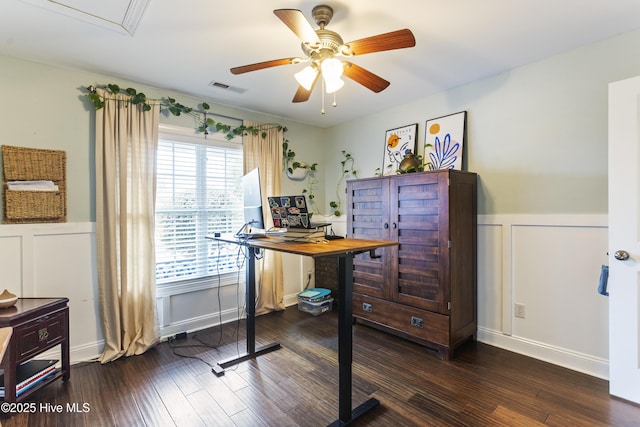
320,249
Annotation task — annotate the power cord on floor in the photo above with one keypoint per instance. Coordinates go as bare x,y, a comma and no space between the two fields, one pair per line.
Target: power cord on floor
202,343
240,264
174,347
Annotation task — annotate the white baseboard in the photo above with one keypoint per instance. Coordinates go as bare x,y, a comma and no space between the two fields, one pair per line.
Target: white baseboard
91,351
199,323
87,352
290,300
78,354
558,356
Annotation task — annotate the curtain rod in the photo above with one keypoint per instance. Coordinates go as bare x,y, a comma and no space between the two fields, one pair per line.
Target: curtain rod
210,113
92,89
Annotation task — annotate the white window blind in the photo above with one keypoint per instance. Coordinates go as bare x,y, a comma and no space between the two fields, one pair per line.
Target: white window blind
198,193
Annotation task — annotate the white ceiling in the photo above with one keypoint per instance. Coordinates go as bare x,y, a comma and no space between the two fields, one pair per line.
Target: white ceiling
185,45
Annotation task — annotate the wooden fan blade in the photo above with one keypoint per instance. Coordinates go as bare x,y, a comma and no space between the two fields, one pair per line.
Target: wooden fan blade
302,94
265,64
399,39
295,20
365,77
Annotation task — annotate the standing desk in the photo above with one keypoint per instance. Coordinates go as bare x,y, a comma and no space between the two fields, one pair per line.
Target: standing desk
344,250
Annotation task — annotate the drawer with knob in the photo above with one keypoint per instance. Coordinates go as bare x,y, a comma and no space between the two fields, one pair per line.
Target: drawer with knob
38,335
426,325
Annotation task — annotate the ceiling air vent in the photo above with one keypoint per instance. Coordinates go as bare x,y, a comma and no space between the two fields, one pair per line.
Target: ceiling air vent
224,86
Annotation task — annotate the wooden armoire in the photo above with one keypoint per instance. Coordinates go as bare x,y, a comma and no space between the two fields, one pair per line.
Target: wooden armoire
425,288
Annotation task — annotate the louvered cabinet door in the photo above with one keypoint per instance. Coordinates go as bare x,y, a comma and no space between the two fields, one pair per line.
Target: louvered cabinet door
368,218
419,214
423,289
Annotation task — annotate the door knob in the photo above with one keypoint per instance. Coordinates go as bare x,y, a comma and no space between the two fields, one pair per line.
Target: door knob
621,255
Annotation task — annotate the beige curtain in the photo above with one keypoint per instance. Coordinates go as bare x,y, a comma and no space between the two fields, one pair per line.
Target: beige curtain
126,143
266,153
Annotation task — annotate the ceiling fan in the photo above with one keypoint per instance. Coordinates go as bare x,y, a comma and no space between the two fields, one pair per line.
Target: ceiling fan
323,47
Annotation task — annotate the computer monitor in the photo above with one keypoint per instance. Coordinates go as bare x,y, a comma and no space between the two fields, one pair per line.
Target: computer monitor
252,196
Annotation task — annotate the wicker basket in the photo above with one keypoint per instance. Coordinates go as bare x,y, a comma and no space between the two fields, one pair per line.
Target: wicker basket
32,164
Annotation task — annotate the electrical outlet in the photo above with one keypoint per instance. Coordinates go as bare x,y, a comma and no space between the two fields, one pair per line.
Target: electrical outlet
518,310
309,274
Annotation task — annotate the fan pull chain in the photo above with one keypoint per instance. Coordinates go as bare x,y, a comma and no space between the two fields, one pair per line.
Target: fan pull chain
322,111
206,128
335,102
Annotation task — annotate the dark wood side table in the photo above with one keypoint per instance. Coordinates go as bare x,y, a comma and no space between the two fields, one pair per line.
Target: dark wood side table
38,325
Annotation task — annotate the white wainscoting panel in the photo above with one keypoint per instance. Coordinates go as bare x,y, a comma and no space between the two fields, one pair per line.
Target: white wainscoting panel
490,285
11,262
550,264
56,260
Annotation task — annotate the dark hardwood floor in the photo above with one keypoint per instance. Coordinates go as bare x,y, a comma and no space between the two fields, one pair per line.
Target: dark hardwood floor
297,385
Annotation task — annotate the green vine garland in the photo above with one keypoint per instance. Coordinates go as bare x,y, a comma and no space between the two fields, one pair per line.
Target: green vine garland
348,170
205,124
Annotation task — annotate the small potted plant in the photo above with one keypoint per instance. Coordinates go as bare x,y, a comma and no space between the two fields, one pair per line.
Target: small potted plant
296,171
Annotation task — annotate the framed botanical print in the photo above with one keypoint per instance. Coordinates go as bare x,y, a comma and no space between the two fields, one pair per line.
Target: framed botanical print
444,141
396,142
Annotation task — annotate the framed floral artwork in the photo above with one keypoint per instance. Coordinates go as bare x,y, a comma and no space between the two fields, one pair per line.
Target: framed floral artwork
444,141
396,143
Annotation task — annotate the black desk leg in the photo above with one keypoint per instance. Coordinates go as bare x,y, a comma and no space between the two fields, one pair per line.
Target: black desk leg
250,300
345,346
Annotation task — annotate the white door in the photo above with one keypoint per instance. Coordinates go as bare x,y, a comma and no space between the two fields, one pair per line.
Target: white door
624,239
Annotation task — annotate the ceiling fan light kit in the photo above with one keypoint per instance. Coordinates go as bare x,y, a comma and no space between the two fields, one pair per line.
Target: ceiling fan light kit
323,48
332,69
333,85
307,76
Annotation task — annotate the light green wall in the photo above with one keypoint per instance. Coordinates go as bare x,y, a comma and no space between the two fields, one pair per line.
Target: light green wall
44,107
536,135
41,108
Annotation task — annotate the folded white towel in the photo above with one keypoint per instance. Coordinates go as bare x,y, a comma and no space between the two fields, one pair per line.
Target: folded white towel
32,186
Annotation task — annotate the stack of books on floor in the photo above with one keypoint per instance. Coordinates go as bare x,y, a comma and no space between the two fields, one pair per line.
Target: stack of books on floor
29,374
315,294
315,301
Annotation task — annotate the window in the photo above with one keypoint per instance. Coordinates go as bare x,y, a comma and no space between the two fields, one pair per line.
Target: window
198,193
